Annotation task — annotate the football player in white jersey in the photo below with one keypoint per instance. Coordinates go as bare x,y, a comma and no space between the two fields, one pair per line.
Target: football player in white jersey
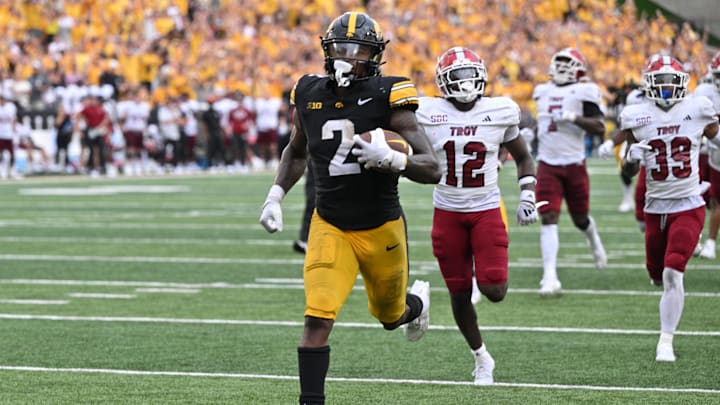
617,146
665,135
467,131
134,114
8,128
711,90
568,108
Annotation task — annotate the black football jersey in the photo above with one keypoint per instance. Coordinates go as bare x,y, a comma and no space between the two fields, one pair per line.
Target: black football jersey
347,195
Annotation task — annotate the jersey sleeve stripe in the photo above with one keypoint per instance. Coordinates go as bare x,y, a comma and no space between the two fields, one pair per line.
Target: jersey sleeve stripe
403,93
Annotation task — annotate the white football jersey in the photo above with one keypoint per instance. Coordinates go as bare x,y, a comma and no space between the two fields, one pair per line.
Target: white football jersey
466,144
135,114
672,173
562,143
710,91
267,113
8,116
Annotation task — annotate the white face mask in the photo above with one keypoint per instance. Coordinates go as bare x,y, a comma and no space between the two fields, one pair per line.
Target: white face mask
342,72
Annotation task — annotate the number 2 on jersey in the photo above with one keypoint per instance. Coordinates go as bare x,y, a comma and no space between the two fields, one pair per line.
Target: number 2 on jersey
338,165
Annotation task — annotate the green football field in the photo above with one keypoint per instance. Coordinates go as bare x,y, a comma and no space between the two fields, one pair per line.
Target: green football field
167,290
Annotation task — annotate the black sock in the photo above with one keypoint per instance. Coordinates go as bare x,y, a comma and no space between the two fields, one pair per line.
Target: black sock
313,364
625,179
415,304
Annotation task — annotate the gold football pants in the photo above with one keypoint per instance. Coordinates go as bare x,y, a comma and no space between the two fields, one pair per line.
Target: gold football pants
335,256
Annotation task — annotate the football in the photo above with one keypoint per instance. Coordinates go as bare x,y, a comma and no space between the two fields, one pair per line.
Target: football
394,140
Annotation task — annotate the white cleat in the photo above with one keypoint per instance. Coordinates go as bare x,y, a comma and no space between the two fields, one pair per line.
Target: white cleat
415,329
626,205
708,250
698,249
550,288
599,256
664,352
484,366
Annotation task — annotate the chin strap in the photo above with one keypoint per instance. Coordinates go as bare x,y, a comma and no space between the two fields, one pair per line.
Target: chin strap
342,72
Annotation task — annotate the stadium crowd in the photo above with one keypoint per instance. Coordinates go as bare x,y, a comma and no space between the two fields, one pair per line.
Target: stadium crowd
190,50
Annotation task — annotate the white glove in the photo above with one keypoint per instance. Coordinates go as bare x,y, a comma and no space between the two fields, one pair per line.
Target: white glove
704,187
271,217
607,149
377,153
527,135
526,212
636,152
564,115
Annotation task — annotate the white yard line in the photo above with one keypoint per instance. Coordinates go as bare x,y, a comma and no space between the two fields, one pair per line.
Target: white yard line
168,290
33,302
451,328
102,296
64,223
297,284
529,262
357,380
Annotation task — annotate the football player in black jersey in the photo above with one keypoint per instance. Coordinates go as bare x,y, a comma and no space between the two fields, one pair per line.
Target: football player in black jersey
358,224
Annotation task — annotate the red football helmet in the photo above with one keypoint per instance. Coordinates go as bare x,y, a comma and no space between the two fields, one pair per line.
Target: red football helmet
461,74
715,70
567,66
649,61
665,81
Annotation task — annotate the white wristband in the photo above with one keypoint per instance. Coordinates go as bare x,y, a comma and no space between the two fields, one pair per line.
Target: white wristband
275,194
530,179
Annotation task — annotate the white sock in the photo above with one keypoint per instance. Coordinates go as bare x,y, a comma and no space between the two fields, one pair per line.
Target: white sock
628,192
591,233
480,350
710,244
665,339
672,300
482,355
549,245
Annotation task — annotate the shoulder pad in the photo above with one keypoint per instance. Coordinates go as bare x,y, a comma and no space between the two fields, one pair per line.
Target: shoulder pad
706,107
705,89
588,91
539,90
505,111
635,116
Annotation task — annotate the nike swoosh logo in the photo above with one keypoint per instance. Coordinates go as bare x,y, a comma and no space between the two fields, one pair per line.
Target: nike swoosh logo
362,101
389,248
